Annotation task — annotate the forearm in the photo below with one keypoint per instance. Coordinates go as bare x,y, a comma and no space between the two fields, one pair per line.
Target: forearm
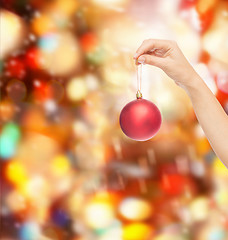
211,116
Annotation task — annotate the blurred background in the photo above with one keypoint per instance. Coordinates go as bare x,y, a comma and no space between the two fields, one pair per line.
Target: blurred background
67,170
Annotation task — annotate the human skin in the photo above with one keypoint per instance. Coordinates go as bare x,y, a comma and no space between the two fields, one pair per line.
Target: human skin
210,114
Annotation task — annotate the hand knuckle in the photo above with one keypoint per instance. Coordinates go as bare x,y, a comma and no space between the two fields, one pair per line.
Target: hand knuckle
173,43
147,40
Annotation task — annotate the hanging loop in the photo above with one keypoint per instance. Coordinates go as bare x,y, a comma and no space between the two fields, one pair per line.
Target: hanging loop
139,81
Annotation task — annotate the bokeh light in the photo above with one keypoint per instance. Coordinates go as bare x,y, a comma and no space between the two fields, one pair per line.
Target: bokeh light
43,24
137,231
76,89
60,165
109,3
136,209
8,140
66,170
16,90
13,25
65,50
30,230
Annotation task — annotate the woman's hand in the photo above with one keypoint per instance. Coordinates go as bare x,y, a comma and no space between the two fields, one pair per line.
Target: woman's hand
210,114
167,56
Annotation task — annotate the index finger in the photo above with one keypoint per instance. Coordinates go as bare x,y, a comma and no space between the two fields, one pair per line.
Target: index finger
151,45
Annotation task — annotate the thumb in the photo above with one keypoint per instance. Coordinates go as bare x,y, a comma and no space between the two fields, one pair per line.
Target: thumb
151,60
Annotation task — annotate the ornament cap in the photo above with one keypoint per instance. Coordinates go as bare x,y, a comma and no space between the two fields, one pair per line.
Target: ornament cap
139,95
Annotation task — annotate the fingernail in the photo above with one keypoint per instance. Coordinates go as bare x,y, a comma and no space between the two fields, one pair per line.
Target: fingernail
135,56
141,60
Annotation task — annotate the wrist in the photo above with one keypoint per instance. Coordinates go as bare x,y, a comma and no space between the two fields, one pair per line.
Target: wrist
193,84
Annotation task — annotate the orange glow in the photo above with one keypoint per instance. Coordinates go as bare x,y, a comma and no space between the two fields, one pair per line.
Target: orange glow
67,7
203,6
202,146
89,42
43,24
7,110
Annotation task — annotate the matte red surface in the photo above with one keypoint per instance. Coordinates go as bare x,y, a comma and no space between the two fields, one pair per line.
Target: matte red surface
140,119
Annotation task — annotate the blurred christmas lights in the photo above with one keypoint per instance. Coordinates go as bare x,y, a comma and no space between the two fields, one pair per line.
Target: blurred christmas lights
66,171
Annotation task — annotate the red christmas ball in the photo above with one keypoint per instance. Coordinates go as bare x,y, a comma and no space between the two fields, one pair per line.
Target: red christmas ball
140,119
